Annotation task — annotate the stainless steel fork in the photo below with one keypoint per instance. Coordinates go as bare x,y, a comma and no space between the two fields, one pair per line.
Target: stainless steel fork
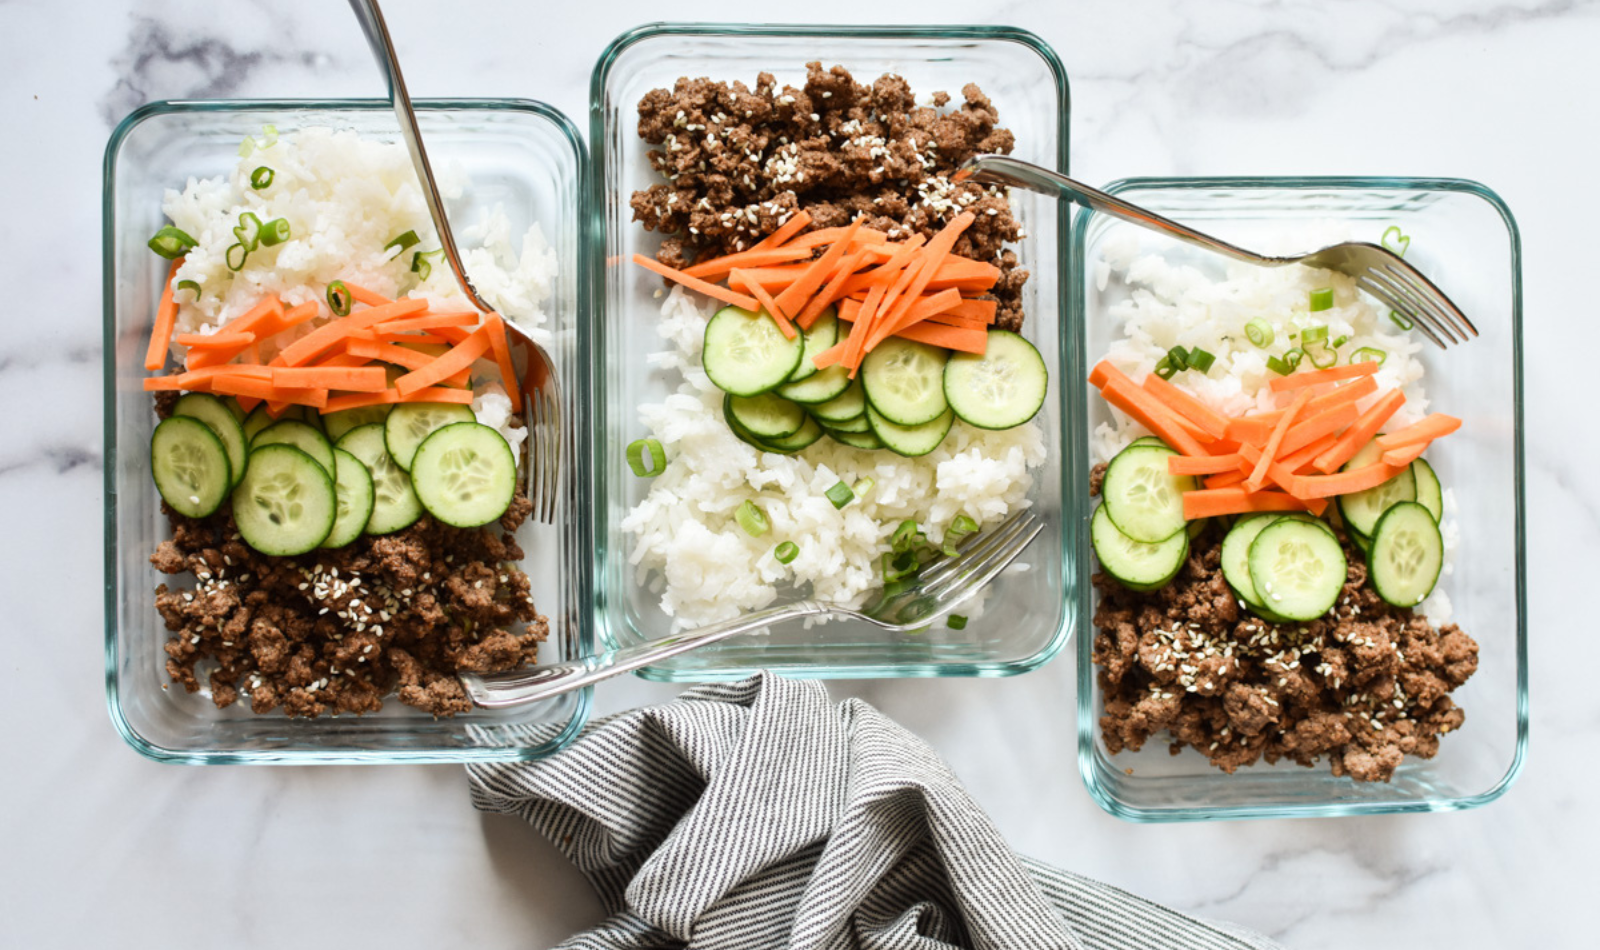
1377,270
540,391
939,588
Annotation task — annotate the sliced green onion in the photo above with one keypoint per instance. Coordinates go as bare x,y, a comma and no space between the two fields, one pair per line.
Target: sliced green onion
193,285
1293,356
1327,359
1260,332
1313,334
404,241
786,552
1165,369
636,460
235,257
339,299
249,231
1322,299
959,528
170,242
905,537
840,495
1400,320
275,231
1341,341
899,566
752,519
864,485
1289,362
1200,360
1395,240
1369,354
422,262
1179,357
956,622
261,178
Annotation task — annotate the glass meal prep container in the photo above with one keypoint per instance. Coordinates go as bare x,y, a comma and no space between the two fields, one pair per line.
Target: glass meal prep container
1030,613
1465,239
521,154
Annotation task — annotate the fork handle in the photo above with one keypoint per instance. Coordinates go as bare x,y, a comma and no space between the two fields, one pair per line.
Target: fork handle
1005,170
519,687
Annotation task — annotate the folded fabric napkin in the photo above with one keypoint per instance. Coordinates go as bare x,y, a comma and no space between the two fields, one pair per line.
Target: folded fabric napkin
759,814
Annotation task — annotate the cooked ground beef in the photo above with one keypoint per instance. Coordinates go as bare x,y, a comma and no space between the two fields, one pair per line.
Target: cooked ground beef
1365,686
740,162
337,631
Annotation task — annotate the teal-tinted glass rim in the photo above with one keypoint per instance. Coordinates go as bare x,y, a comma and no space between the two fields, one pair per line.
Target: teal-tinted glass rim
584,626
1074,535
1087,715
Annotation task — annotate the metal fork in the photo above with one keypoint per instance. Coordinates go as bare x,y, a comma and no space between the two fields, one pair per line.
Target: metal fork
539,388
1377,270
939,588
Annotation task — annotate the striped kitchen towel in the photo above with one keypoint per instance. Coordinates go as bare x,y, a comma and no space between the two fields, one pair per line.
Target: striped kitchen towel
759,814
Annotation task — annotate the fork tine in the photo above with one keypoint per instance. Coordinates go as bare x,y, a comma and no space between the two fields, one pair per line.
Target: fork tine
975,573
1418,308
552,466
1421,287
976,548
1392,302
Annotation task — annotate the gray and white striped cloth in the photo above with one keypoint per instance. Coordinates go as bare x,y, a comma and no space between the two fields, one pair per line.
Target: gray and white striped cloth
760,814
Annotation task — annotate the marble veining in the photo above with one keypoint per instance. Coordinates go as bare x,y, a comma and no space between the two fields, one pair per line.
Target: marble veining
103,847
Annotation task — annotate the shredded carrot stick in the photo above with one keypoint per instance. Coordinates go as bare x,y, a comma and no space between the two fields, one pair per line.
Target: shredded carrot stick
451,363
977,308
1188,406
1300,459
362,295
857,341
216,340
1204,464
694,283
1344,483
1103,371
358,379
1435,426
1281,475
832,291
718,268
1343,394
1318,376
1227,479
1211,502
341,359
389,353
1361,432
502,353
796,295
262,389
1405,454
311,345
155,356
1200,435
739,278
431,321
1143,407
1309,430
797,222
930,306
440,394
973,340
1269,452
933,257
424,337
823,236
776,278
361,400
949,320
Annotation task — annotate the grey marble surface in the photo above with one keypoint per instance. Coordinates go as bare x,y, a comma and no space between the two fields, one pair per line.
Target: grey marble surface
104,848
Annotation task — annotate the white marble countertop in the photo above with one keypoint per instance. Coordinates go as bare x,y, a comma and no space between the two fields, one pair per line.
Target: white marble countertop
102,847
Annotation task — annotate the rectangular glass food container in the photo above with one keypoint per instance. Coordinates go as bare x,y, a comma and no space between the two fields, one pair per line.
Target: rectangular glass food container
521,154
1464,238
1030,614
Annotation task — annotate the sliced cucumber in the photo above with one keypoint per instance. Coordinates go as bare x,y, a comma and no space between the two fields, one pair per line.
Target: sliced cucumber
411,422
1298,569
352,494
1002,388
1197,527
856,440
1429,494
220,419
190,466
904,381
232,402
746,354
809,432
301,435
910,441
336,424
257,420
765,416
1361,510
819,387
1363,542
1407,554
1236,555
1145,500
823,334
1149,440
857,425
850,404
286,504
394,502
465,474
1136,565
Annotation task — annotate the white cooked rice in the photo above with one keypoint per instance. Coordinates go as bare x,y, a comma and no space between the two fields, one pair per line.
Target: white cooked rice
1172,304
345,197
690,550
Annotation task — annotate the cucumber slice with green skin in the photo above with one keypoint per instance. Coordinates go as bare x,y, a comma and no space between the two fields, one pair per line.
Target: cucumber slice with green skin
1145,501
910,441
1361,510
190,466
850,404
746,354
904,381
1236,555
215,414
394,502
465,474
286,504
336,424
856,440
257,420
352,494
232,403
1362,542
1004,387
1135,565
302,436
765,416
1407,554
809,432
857,425
410,423
1149,440
1298,569
1429,494
819,387
1197,527
823,334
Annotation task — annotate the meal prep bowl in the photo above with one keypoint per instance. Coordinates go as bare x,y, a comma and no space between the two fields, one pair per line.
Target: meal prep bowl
1464,238
522,154
1030,613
